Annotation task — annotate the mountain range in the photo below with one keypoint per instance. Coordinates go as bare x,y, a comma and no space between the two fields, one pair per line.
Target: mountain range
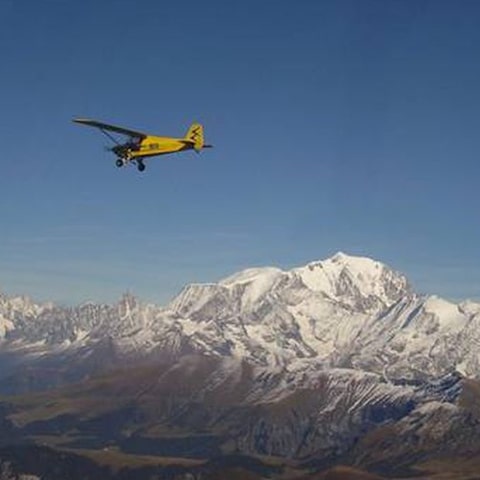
336,362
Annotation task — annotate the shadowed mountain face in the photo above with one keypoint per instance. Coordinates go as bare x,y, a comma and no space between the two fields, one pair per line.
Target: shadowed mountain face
203,407
337,362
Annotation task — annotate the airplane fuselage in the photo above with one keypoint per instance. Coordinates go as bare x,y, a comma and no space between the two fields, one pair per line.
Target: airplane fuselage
152,145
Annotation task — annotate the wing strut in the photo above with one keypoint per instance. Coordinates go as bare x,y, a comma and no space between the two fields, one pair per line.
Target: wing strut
111,137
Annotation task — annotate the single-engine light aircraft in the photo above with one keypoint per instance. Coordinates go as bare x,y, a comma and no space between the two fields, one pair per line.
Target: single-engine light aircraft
140,146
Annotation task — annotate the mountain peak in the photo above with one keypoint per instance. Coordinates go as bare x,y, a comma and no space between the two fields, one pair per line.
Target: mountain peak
355,261
342,260
341,256
251,275
356,277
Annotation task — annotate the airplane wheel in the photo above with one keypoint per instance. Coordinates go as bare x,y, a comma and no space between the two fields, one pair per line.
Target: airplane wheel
119,163
141,166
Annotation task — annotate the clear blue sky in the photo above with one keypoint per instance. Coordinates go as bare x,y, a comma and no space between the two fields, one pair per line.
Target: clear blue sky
338,125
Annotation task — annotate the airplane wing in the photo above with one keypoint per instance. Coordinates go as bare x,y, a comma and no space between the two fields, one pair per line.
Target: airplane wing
110,128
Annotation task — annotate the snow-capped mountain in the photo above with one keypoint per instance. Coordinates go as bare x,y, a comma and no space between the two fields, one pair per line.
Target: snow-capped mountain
343,312
338,361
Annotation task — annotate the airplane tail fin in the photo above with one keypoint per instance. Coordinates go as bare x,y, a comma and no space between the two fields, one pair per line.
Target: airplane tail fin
195,136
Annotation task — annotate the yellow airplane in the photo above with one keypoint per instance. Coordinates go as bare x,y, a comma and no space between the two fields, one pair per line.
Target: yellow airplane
141,145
